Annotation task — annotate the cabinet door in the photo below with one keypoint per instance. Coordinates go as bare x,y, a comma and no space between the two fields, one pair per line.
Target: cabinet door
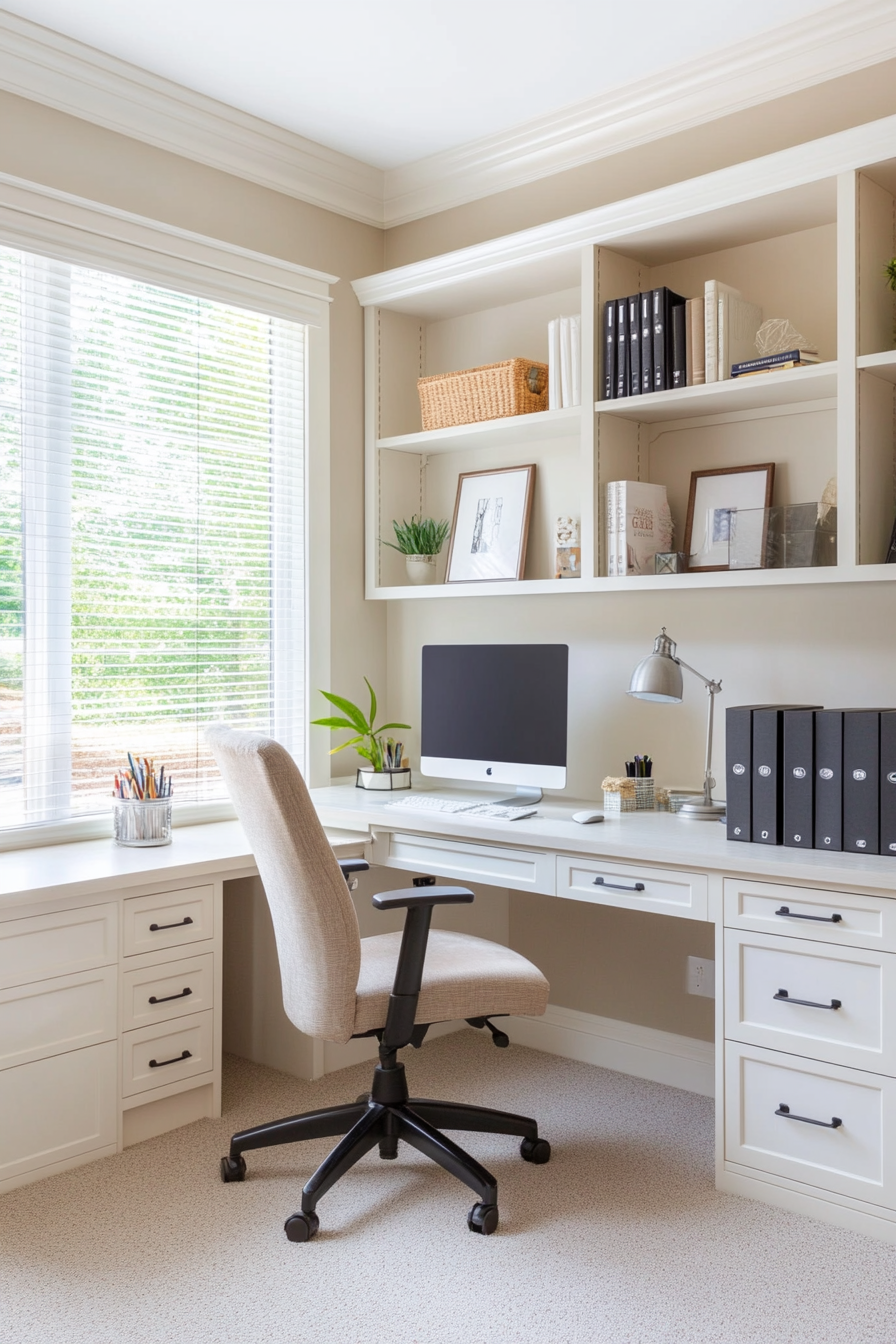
47,945
66,1013
56,1109
836,1004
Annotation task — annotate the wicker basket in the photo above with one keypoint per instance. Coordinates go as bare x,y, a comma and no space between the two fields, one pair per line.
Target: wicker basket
513,387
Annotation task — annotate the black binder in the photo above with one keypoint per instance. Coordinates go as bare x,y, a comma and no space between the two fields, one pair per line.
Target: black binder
768,772
799,778
622,351
861,775
829,779
634,345
739,770
888,782
646,343
609,384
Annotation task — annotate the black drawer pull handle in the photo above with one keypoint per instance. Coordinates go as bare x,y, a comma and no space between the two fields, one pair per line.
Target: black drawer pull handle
819,919
783,997
834,1123
182,995
617,886
155,928
160,1063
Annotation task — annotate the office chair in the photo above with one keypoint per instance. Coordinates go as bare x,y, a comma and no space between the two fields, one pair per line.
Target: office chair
337,986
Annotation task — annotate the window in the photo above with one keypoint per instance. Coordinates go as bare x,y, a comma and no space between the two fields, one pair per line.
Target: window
152,533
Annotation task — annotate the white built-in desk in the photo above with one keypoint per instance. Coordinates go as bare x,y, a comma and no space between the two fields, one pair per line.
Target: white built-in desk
77,1078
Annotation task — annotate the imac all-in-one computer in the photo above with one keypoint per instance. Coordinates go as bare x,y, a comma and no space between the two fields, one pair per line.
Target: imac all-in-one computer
496,713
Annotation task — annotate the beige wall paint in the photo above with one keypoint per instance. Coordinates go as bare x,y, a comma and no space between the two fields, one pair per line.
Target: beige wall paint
814,112
42,145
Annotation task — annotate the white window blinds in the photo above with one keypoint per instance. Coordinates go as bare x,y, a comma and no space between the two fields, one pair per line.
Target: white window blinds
151,533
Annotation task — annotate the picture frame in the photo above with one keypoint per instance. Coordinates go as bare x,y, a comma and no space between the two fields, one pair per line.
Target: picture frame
713,495
490,530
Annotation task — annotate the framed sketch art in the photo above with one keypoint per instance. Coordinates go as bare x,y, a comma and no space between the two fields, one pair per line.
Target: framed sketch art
714,496
491,525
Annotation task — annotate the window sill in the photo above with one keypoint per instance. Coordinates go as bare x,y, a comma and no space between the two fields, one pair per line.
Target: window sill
98,826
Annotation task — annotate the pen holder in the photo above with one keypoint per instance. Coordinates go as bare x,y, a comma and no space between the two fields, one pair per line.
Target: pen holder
645,799
139,823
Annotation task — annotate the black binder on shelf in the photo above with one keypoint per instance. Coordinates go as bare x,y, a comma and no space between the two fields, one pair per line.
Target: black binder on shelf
622,350
799,778
634,345
646,343
767,826
609,384
679,346
663,300
739,770
861,775
829,779
888,783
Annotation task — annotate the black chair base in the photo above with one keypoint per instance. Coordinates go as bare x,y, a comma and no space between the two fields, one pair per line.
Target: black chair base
384,1118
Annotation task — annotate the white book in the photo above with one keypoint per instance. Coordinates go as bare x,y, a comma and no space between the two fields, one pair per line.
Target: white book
611,529
565,363
575,358
739,321
644,524
712,290
554,402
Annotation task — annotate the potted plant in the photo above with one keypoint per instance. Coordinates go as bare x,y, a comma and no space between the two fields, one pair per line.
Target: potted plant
385,755
890,273
419,541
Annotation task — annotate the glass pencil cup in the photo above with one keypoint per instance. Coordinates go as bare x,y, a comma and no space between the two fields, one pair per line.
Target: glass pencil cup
141,822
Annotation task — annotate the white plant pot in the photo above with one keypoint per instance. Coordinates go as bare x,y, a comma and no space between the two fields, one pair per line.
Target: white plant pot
421,568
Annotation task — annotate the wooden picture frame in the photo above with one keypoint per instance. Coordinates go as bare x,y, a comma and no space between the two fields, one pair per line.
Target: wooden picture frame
490,529
713,496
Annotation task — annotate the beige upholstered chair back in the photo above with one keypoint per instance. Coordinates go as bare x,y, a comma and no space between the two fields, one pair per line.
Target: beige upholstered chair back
318,941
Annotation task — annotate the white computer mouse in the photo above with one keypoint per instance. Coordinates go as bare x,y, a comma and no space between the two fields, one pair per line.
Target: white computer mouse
586,818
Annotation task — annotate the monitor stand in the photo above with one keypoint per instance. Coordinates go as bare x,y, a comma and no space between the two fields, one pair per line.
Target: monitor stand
523,797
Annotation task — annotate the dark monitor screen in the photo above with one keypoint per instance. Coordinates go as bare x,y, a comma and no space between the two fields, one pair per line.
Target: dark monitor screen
495,702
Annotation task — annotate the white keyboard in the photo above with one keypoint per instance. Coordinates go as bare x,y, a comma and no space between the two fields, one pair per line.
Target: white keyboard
425,802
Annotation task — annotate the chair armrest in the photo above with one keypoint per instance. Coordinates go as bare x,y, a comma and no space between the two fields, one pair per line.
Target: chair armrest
417,897
350,866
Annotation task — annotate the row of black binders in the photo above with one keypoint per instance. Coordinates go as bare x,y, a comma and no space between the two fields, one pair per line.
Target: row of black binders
812,778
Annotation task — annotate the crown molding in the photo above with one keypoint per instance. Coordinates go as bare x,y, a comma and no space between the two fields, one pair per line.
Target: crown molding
48,68
837,41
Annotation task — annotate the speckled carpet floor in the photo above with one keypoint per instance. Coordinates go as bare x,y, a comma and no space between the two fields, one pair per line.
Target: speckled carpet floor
621,1238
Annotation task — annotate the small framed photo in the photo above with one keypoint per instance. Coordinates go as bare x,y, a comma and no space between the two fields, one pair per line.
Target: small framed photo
491,525
714,496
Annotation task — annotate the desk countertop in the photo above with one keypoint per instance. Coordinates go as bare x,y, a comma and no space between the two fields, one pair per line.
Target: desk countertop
655,837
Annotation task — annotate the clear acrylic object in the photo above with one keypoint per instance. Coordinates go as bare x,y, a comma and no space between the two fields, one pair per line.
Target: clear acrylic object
787,536
139,823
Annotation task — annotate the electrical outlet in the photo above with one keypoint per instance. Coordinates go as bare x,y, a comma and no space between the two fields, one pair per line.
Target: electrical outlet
702,977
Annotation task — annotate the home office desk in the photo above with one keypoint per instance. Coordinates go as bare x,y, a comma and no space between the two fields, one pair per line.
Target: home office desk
87,929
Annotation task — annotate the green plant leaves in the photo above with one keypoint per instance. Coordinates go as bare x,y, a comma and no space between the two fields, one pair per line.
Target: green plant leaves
420,536
350,711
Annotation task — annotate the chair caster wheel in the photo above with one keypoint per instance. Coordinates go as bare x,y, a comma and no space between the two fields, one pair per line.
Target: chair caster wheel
233,1169
535,1150
301,1226
483,1218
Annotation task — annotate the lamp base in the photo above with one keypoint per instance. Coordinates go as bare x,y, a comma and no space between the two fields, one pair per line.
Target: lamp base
700,811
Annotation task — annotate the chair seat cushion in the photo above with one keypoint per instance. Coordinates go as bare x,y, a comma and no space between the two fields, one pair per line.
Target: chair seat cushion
463,977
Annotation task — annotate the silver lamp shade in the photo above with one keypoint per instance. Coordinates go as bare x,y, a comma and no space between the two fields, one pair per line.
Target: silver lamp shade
658,676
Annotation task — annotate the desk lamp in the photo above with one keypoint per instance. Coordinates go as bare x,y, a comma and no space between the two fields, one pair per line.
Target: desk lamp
658,677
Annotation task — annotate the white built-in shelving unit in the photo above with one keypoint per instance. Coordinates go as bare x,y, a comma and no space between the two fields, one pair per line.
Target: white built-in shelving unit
805,233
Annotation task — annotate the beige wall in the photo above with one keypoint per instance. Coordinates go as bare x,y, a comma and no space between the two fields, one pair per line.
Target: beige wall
818,645
49,147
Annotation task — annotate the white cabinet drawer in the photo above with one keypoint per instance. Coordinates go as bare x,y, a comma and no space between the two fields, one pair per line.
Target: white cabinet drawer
159,993
55,1109
67,1013
779,993
634,888
160,1054
49,945
169,919
855,1157
849,918
466,861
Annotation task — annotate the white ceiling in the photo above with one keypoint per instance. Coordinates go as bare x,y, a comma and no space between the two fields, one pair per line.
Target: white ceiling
394,81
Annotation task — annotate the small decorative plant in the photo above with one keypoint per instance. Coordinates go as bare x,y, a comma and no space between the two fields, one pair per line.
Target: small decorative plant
890,273
368,739
420,536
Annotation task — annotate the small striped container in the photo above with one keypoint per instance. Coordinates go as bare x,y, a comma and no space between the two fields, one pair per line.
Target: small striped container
619,802
645,800
141,823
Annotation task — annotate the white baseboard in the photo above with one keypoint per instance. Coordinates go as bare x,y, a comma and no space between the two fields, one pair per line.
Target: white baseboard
661,1056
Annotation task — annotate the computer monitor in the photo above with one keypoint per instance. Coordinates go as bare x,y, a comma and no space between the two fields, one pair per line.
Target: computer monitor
496,713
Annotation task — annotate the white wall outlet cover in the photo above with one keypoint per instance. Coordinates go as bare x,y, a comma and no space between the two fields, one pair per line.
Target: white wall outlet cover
702,977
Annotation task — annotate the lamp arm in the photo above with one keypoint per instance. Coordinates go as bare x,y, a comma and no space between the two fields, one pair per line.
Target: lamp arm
713,688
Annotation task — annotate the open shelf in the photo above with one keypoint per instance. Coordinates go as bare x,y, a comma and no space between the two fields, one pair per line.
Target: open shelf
785,388
512,429
882,365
